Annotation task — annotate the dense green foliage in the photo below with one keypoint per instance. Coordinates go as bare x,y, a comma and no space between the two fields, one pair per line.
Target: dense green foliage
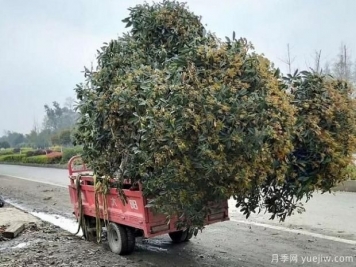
325,131
42,157
6,152
13,158
39,152
70,152
196,119
324,139
351,172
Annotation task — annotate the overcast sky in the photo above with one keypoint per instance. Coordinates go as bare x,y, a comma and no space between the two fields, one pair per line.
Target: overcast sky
45,44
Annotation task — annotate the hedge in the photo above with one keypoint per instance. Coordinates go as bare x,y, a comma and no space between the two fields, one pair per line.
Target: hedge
12,158
352,172
68,153
35,153
6,152
56,148
42,159
53,158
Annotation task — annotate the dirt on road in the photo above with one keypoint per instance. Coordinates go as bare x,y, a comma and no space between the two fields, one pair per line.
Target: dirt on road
43,244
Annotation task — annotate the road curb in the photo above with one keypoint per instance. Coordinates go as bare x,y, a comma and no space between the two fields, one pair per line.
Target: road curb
346,186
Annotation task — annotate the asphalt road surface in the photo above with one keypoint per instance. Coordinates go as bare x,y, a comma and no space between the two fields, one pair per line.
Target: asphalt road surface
325,235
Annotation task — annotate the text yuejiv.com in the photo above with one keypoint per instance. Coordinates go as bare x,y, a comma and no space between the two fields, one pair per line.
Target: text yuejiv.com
318,259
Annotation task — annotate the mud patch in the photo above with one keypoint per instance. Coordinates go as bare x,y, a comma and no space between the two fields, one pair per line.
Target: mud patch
51,246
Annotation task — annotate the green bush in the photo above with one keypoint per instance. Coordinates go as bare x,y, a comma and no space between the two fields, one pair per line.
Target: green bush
26,149
39,152
56,148
351,172
6,152
54,160
42,159
68,153
12,158
39,159
30,153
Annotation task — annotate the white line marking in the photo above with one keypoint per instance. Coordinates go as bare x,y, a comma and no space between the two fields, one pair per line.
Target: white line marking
32,180
274,227
302,232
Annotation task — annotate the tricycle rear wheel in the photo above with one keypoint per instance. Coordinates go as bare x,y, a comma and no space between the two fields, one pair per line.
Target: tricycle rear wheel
89,228
181,236
131,239
121,239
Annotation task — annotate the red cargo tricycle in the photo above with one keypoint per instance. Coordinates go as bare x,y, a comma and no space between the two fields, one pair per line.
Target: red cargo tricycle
126,220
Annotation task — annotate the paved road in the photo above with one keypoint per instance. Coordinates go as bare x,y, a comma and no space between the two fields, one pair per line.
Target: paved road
327,227
44,175
330,214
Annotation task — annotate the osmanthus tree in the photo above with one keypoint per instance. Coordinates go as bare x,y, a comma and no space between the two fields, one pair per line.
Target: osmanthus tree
196,119
323,141
324,137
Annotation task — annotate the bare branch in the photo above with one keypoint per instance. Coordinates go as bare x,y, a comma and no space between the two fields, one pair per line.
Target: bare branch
289,61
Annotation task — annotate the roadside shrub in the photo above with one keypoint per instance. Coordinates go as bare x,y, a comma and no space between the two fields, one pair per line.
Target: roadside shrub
51,158
30,153
351,172
6,152
54,157
43,159
54,160
54,154
35,153
26,149
16,158
56,148
68,153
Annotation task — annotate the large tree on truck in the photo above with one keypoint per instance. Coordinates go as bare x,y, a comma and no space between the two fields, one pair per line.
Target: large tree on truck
196,119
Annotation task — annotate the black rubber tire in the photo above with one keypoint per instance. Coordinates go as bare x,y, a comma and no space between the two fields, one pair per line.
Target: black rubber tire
131,240
89,223
179,236
189,235
117,238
